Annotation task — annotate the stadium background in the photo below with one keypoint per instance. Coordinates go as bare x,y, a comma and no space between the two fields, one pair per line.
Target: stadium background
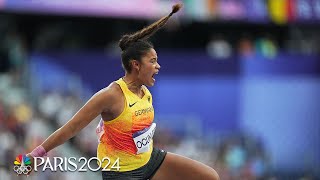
238,89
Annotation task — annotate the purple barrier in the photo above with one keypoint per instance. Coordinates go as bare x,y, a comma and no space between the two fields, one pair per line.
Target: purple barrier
124,8
184,77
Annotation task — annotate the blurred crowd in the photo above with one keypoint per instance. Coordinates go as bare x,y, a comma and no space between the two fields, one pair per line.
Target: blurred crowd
299,41
28,117
43,33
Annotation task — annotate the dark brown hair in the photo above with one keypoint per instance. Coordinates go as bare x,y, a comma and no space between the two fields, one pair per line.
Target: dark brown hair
134,46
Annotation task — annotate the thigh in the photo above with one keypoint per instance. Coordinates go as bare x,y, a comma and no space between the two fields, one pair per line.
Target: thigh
176,167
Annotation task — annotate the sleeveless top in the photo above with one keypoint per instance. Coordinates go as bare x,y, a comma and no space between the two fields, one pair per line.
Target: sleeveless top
119,138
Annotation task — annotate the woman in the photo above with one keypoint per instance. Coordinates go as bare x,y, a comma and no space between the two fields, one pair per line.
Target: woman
126,129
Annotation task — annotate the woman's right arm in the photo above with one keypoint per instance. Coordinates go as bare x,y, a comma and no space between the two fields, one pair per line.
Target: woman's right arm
99,102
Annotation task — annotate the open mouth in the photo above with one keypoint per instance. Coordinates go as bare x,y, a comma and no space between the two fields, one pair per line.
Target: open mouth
153,76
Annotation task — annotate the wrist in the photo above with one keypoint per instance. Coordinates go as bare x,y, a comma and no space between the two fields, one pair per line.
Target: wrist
38,152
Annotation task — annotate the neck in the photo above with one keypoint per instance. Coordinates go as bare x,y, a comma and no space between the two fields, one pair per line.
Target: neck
133,83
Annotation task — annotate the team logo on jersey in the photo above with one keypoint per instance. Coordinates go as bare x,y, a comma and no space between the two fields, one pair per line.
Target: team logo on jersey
130,105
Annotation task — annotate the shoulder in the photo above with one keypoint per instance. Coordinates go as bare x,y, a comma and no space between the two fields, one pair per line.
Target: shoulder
107,97
111,92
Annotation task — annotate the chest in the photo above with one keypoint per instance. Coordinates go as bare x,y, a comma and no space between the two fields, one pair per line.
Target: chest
139,111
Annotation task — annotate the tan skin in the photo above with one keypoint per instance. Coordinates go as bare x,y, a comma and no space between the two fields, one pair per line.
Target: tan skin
109,103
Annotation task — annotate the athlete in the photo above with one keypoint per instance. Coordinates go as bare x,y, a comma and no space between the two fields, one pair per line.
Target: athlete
126,128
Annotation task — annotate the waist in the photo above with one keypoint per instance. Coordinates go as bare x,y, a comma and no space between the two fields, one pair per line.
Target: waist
132,148
127,161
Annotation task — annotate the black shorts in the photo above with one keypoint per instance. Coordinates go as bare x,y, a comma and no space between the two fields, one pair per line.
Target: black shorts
143,173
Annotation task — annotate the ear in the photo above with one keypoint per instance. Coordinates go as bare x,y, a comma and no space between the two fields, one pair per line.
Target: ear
135,64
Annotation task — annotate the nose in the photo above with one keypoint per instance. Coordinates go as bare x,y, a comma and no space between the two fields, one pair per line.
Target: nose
158,66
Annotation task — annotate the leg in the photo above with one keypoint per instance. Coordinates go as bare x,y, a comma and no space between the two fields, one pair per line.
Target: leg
175,167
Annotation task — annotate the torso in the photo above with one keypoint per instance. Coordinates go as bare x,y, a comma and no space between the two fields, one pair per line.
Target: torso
126,115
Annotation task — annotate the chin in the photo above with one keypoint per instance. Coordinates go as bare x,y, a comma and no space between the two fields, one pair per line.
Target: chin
149,84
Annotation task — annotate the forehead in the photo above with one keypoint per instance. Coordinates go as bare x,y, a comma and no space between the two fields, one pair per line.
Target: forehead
151,54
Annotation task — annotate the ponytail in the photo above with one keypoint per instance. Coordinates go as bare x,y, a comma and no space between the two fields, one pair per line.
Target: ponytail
148,31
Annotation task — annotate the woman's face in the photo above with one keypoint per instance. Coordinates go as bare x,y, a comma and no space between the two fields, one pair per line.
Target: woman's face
148,68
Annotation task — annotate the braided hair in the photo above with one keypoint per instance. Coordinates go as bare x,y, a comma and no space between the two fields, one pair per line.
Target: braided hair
134,46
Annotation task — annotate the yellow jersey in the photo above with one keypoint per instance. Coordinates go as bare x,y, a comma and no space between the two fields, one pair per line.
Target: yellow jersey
118,138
